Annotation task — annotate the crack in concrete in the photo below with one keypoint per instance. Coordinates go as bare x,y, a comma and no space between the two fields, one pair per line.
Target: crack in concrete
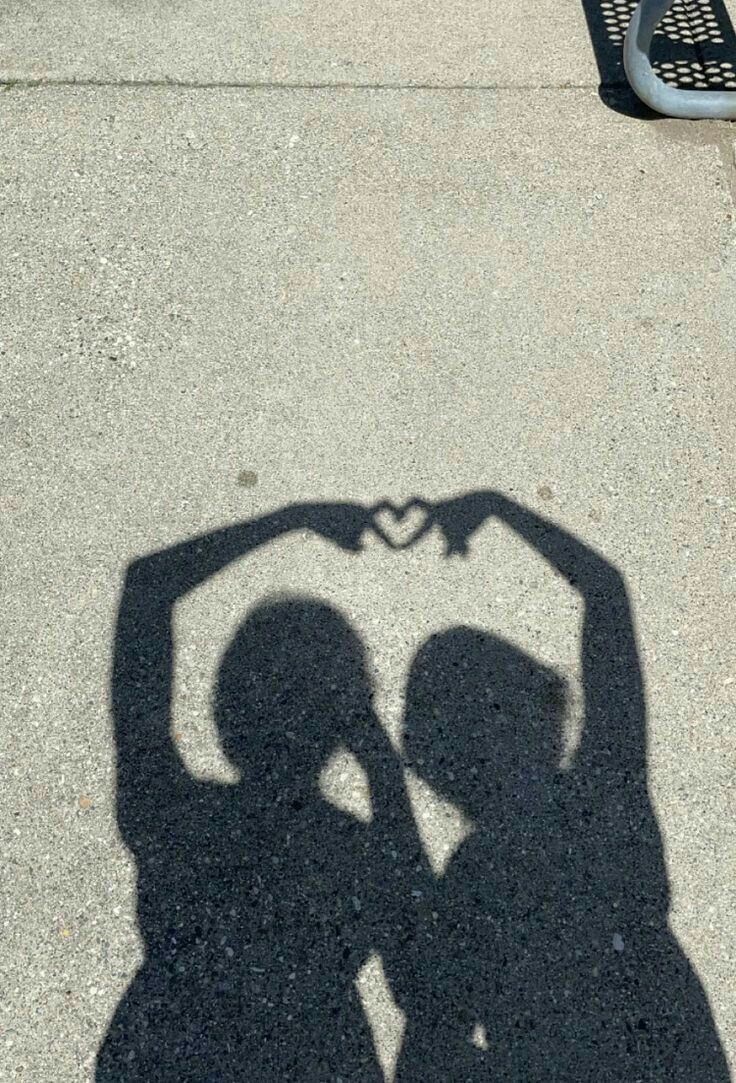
179,84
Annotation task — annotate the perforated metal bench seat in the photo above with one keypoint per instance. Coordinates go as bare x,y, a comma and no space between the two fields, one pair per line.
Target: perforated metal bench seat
698,26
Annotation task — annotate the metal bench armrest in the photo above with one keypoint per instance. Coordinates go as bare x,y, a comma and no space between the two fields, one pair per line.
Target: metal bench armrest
671,101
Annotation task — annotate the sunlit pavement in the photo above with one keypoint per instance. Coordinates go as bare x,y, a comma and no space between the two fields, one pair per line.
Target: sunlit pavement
261,258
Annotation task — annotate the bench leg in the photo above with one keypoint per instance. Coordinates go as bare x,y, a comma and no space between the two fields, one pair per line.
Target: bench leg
671,101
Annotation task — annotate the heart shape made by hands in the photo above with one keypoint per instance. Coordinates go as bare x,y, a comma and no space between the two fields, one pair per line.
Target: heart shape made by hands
401,526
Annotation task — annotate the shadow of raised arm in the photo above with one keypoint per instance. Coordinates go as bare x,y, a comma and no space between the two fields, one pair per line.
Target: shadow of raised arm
614,737
149,770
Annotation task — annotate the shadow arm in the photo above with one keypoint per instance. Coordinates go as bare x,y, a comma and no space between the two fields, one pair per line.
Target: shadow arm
150,773
614,737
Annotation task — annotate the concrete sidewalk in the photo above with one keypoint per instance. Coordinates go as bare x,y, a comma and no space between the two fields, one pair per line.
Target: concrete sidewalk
221,301
220,41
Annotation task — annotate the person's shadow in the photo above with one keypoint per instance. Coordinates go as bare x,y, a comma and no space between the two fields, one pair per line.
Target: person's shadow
543,952
257,902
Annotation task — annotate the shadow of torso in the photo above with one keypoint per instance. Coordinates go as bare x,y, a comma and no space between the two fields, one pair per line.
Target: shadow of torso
258,903
251,945
543,952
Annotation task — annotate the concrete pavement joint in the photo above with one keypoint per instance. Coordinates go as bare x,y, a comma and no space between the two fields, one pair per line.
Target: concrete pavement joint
174,84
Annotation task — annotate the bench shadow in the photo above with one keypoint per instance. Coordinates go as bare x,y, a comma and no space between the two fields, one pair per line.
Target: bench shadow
542,953
695,48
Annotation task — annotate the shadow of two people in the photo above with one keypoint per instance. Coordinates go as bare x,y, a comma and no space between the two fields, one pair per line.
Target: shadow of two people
543,952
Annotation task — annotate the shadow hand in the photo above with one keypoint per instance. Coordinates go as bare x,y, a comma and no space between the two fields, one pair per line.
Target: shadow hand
460,517
343,524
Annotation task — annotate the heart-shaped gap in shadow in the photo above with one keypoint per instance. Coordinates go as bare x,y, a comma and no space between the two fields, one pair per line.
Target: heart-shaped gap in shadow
400,526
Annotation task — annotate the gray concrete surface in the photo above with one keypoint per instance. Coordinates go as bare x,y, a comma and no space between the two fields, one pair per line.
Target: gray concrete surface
526,44
217,40
217,303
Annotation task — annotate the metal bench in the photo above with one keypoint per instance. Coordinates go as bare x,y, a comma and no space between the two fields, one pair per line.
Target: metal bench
673,101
